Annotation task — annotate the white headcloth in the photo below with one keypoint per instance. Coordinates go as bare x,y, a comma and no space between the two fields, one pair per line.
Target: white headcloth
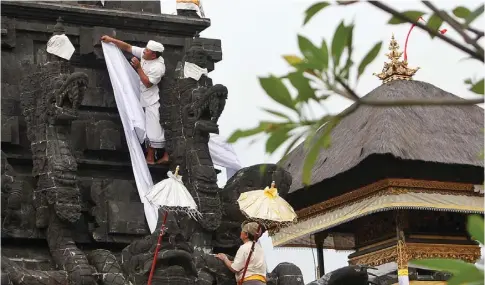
155,46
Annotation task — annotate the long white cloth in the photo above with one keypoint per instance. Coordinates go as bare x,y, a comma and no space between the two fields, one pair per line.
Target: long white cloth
224,155
126,92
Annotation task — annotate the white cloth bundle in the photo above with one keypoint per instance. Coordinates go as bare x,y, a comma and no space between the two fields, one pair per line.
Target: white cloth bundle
171,195
61,46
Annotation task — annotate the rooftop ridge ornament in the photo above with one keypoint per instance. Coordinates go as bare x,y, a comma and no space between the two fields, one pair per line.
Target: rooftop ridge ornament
395,69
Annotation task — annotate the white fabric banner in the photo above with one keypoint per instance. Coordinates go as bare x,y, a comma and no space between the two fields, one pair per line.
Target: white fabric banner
126,89
223,155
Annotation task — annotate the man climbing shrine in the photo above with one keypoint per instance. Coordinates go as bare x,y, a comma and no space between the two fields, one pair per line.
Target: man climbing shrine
150,66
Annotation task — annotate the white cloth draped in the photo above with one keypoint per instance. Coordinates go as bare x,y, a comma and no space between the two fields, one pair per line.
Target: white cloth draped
126,91
224,155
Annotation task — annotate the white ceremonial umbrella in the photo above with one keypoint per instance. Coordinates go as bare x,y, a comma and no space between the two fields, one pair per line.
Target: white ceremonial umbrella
170,195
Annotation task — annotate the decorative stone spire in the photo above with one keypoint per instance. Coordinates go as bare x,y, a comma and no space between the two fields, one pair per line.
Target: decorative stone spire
395,69
59,27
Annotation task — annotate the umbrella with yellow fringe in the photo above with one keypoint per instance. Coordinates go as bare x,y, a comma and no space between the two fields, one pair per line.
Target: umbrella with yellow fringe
266,208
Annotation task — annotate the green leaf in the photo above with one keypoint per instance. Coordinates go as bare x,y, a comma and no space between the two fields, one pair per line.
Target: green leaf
277,138
475,227
313,54
344,72
313,10
449,265
461,12
323,140
278,114
238,134
368,58
275,88
340,40
478,87
324,52
468,81
475,14
414,15
302,84
293,60
434,23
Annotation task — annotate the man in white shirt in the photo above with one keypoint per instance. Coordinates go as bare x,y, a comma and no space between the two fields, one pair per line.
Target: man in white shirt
256,272
151,69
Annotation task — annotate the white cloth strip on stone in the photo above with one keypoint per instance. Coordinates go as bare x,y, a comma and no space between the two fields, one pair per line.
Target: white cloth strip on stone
126,91
223,155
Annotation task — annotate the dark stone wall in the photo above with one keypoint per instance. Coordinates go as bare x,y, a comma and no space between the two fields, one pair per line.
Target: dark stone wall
112,212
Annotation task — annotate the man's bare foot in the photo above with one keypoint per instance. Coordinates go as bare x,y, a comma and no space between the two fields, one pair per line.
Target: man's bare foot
164,159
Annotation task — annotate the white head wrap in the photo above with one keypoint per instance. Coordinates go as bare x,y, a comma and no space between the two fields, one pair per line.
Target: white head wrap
61,46
155,46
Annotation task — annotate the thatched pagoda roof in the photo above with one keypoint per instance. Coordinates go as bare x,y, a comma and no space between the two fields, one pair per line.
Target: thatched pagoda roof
441,134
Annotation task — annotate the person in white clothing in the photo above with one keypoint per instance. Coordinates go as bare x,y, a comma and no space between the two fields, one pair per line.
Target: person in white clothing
151,69
256,272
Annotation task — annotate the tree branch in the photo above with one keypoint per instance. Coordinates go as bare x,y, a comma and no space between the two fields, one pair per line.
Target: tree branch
383,7
455,25
476,32
350,91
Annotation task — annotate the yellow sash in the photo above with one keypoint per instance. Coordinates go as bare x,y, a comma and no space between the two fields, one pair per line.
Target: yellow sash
255,277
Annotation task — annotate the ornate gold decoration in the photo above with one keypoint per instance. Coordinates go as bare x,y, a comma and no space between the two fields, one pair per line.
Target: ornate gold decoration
376,258
402,256
396,69
468,253
396,186
196,2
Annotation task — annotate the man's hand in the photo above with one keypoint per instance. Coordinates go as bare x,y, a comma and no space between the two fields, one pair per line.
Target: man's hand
221,256
107,39
135,63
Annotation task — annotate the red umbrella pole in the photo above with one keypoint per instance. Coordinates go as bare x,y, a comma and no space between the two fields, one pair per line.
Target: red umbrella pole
157,249
249,256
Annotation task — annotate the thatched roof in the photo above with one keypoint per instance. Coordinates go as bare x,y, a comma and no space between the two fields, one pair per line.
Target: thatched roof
444,134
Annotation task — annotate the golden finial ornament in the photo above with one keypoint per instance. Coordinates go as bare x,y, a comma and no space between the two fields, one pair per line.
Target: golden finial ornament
395,69
177,171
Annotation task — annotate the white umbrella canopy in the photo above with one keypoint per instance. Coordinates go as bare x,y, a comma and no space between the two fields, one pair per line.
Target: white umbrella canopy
267,208
171,195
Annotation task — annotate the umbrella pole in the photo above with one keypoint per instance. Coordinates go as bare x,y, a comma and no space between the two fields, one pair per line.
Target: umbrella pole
249,257
159,243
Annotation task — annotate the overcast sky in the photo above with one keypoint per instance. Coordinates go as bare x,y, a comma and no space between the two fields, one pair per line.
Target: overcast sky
256,33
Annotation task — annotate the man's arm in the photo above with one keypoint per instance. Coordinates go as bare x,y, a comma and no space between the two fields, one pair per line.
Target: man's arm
143,77
120,44
235,266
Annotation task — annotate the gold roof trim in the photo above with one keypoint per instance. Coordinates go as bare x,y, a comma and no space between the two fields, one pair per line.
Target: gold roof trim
301,232
468,253
395,69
